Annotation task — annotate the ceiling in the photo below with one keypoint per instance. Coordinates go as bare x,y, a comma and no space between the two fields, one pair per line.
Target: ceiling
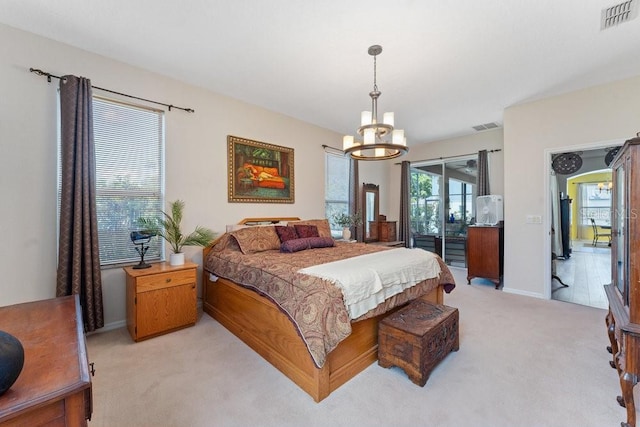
445,66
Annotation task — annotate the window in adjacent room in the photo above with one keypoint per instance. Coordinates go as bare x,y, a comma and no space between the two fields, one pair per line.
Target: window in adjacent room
336,199
129,149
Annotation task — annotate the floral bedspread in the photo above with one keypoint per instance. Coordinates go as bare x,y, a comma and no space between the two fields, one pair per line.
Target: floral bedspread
314,305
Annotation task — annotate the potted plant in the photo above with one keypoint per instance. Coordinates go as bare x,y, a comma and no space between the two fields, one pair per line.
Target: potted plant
168,227
347,221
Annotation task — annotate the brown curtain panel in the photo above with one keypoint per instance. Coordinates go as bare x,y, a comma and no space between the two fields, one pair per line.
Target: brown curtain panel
405,197
354,195
483,173
78,254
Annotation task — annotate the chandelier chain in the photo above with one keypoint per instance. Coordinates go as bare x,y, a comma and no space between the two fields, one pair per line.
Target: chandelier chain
375,67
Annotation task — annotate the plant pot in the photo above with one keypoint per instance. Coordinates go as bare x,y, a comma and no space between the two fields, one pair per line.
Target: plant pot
11,360
346,233
176,259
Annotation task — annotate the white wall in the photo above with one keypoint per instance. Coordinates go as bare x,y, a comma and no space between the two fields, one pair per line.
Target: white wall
196,159
602,115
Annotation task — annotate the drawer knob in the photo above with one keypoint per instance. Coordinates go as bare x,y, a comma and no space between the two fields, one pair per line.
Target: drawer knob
168,279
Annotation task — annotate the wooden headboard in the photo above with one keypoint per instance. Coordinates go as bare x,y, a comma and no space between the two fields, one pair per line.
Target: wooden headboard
264,221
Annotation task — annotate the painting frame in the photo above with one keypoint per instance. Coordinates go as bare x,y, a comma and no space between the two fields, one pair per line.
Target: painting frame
259,172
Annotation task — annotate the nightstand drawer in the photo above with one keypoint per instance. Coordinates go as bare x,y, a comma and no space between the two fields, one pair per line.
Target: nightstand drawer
165,280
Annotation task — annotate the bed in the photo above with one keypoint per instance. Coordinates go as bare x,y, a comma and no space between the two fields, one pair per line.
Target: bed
299,322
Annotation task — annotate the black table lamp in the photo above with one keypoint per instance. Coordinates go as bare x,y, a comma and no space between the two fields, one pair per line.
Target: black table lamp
140,239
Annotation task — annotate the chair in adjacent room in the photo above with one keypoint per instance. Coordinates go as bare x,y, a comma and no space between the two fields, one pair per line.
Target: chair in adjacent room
597,233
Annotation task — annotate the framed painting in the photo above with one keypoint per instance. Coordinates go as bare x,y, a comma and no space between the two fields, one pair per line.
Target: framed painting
259,172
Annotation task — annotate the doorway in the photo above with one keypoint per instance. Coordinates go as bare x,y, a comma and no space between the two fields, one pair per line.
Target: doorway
443,206
580,265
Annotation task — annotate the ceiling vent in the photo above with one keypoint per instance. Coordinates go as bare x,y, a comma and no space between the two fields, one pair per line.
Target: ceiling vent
618,14
486,126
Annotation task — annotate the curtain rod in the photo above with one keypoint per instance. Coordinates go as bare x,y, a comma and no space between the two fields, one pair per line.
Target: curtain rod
337,150
49,76
451,157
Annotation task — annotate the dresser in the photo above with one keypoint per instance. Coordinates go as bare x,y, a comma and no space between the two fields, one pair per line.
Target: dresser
54,387
485,253
160,299
387,231
623,317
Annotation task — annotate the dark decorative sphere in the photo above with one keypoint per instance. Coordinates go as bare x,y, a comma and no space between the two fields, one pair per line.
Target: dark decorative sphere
11,360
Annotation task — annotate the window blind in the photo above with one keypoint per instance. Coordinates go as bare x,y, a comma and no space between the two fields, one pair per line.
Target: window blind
129,150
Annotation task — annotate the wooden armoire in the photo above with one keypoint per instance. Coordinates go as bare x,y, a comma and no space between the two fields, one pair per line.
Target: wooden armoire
623,318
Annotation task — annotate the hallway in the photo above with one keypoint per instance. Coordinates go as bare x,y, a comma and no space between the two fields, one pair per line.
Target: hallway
586,271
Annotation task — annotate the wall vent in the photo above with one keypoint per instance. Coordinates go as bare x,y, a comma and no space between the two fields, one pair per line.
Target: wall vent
618,14
486,126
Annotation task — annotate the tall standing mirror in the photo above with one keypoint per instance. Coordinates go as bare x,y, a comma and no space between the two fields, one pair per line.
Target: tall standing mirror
370,196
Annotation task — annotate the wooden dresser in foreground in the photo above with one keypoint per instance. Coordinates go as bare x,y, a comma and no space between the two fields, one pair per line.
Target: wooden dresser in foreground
54,387
623,318
160,299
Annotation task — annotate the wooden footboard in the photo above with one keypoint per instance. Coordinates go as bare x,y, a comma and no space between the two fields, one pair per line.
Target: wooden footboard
266,329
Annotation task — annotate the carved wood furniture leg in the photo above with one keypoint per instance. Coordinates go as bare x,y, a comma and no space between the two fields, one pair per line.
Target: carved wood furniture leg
611,331
627,382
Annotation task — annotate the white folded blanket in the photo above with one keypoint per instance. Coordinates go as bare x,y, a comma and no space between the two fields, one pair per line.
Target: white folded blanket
368,280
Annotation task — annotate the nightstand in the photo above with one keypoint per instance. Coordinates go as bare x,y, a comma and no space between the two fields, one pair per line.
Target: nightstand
160,299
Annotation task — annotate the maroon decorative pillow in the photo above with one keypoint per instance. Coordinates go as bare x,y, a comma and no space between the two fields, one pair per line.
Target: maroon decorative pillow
296,245
286,233
305,230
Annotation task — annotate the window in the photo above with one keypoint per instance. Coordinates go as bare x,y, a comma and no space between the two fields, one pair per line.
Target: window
425,202
460,200
336,199
594,202
129,150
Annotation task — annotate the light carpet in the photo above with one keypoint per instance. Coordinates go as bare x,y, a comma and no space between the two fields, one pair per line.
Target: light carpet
522,362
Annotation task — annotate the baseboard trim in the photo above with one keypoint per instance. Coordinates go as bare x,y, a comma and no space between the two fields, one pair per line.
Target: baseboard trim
123,323
524,293
109,327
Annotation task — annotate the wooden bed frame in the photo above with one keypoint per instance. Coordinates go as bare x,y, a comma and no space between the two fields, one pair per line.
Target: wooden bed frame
264,327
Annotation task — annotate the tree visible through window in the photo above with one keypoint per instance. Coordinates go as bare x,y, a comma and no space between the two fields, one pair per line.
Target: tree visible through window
336,199
129,145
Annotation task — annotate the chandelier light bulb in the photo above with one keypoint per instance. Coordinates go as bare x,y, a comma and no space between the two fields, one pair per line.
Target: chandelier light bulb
347,142
365,118
387,119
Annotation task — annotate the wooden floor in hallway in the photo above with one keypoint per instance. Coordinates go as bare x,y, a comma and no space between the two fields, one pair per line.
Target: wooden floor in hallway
586,271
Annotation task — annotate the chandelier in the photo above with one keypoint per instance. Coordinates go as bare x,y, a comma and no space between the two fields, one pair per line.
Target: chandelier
605,186
374,145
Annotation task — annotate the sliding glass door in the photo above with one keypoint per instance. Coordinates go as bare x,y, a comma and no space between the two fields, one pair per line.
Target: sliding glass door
442,207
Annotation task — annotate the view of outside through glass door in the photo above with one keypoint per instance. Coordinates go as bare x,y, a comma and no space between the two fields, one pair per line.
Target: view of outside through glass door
443,206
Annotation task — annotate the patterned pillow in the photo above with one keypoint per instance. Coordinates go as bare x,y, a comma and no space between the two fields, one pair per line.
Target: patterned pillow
286,233
324,229
296,245
305,230
256,239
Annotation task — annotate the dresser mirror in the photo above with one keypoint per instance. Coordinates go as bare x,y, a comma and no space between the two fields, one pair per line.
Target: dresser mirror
370,202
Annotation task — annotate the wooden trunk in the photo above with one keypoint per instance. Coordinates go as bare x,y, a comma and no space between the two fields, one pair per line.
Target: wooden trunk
417,337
